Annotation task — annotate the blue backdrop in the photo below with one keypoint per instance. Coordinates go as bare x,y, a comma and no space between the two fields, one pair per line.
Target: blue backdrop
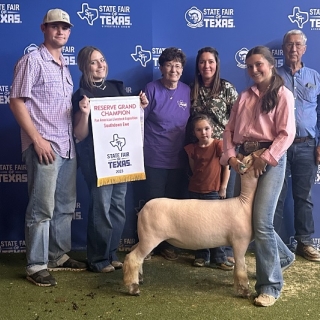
132,34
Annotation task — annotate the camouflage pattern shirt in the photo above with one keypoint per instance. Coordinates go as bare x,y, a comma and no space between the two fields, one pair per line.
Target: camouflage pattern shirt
218,108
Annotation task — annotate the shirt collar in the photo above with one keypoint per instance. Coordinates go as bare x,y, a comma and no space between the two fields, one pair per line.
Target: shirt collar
288,69
254,88
47,56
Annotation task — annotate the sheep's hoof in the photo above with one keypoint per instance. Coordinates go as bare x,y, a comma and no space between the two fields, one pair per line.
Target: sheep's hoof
134,289
140,278
243,292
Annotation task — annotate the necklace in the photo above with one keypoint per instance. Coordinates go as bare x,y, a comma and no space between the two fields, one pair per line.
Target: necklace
101,86
171,92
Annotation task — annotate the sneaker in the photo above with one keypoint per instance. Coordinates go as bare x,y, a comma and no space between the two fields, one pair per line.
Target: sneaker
231,260
169,254
42,278
286,266
264,300
148,257
200,263
70,265
226,266
117,264
308,252
107,269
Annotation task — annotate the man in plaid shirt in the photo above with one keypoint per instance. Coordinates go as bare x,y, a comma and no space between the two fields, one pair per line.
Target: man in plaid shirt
40,100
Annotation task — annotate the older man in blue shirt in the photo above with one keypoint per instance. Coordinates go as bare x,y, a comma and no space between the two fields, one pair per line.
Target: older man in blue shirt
304,154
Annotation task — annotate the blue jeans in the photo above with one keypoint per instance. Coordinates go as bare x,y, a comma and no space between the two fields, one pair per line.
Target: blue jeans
231,182
302,167
52,201
230,194
270,251
215,255
106,221
106,217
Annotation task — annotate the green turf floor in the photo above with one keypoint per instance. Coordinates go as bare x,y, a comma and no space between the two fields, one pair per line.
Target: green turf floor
171,290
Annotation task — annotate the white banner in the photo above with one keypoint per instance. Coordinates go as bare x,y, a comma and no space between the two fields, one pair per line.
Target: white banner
117,124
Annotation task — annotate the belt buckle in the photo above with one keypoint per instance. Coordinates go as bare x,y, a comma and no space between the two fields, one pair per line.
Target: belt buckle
250,146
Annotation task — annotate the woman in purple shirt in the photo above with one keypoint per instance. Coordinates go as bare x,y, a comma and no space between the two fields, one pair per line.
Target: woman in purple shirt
166,117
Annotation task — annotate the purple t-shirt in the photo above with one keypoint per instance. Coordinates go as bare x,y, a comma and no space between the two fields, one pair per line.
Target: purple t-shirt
165,122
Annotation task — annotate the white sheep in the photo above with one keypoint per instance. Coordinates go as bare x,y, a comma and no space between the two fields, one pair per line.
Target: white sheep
197,224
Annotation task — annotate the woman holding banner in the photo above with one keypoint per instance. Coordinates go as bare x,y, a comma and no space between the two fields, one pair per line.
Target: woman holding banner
165,123
106,217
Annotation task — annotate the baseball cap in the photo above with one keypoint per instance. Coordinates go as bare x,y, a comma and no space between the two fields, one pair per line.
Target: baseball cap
57,15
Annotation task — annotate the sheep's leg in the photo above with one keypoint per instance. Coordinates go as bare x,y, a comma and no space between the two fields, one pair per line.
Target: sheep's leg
133,266
241,281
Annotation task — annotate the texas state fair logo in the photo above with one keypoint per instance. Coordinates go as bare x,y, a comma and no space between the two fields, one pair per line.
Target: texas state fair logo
301,18
10,13
13,173
4,94
209,18
240,58
241,54
109,16
144,56
317,179
31,47
12,246
278,57
68,53
77,215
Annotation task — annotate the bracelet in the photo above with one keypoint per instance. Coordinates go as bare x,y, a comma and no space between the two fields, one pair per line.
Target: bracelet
229,160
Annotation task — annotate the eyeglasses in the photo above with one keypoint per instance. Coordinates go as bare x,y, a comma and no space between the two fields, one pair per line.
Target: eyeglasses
290,45
175,66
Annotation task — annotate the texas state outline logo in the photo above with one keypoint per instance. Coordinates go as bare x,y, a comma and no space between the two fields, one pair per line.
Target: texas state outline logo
87,13
118,142
143,56
109,16
299,17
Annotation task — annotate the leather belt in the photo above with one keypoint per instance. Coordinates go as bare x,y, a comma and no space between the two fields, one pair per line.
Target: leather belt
250,146
302,139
